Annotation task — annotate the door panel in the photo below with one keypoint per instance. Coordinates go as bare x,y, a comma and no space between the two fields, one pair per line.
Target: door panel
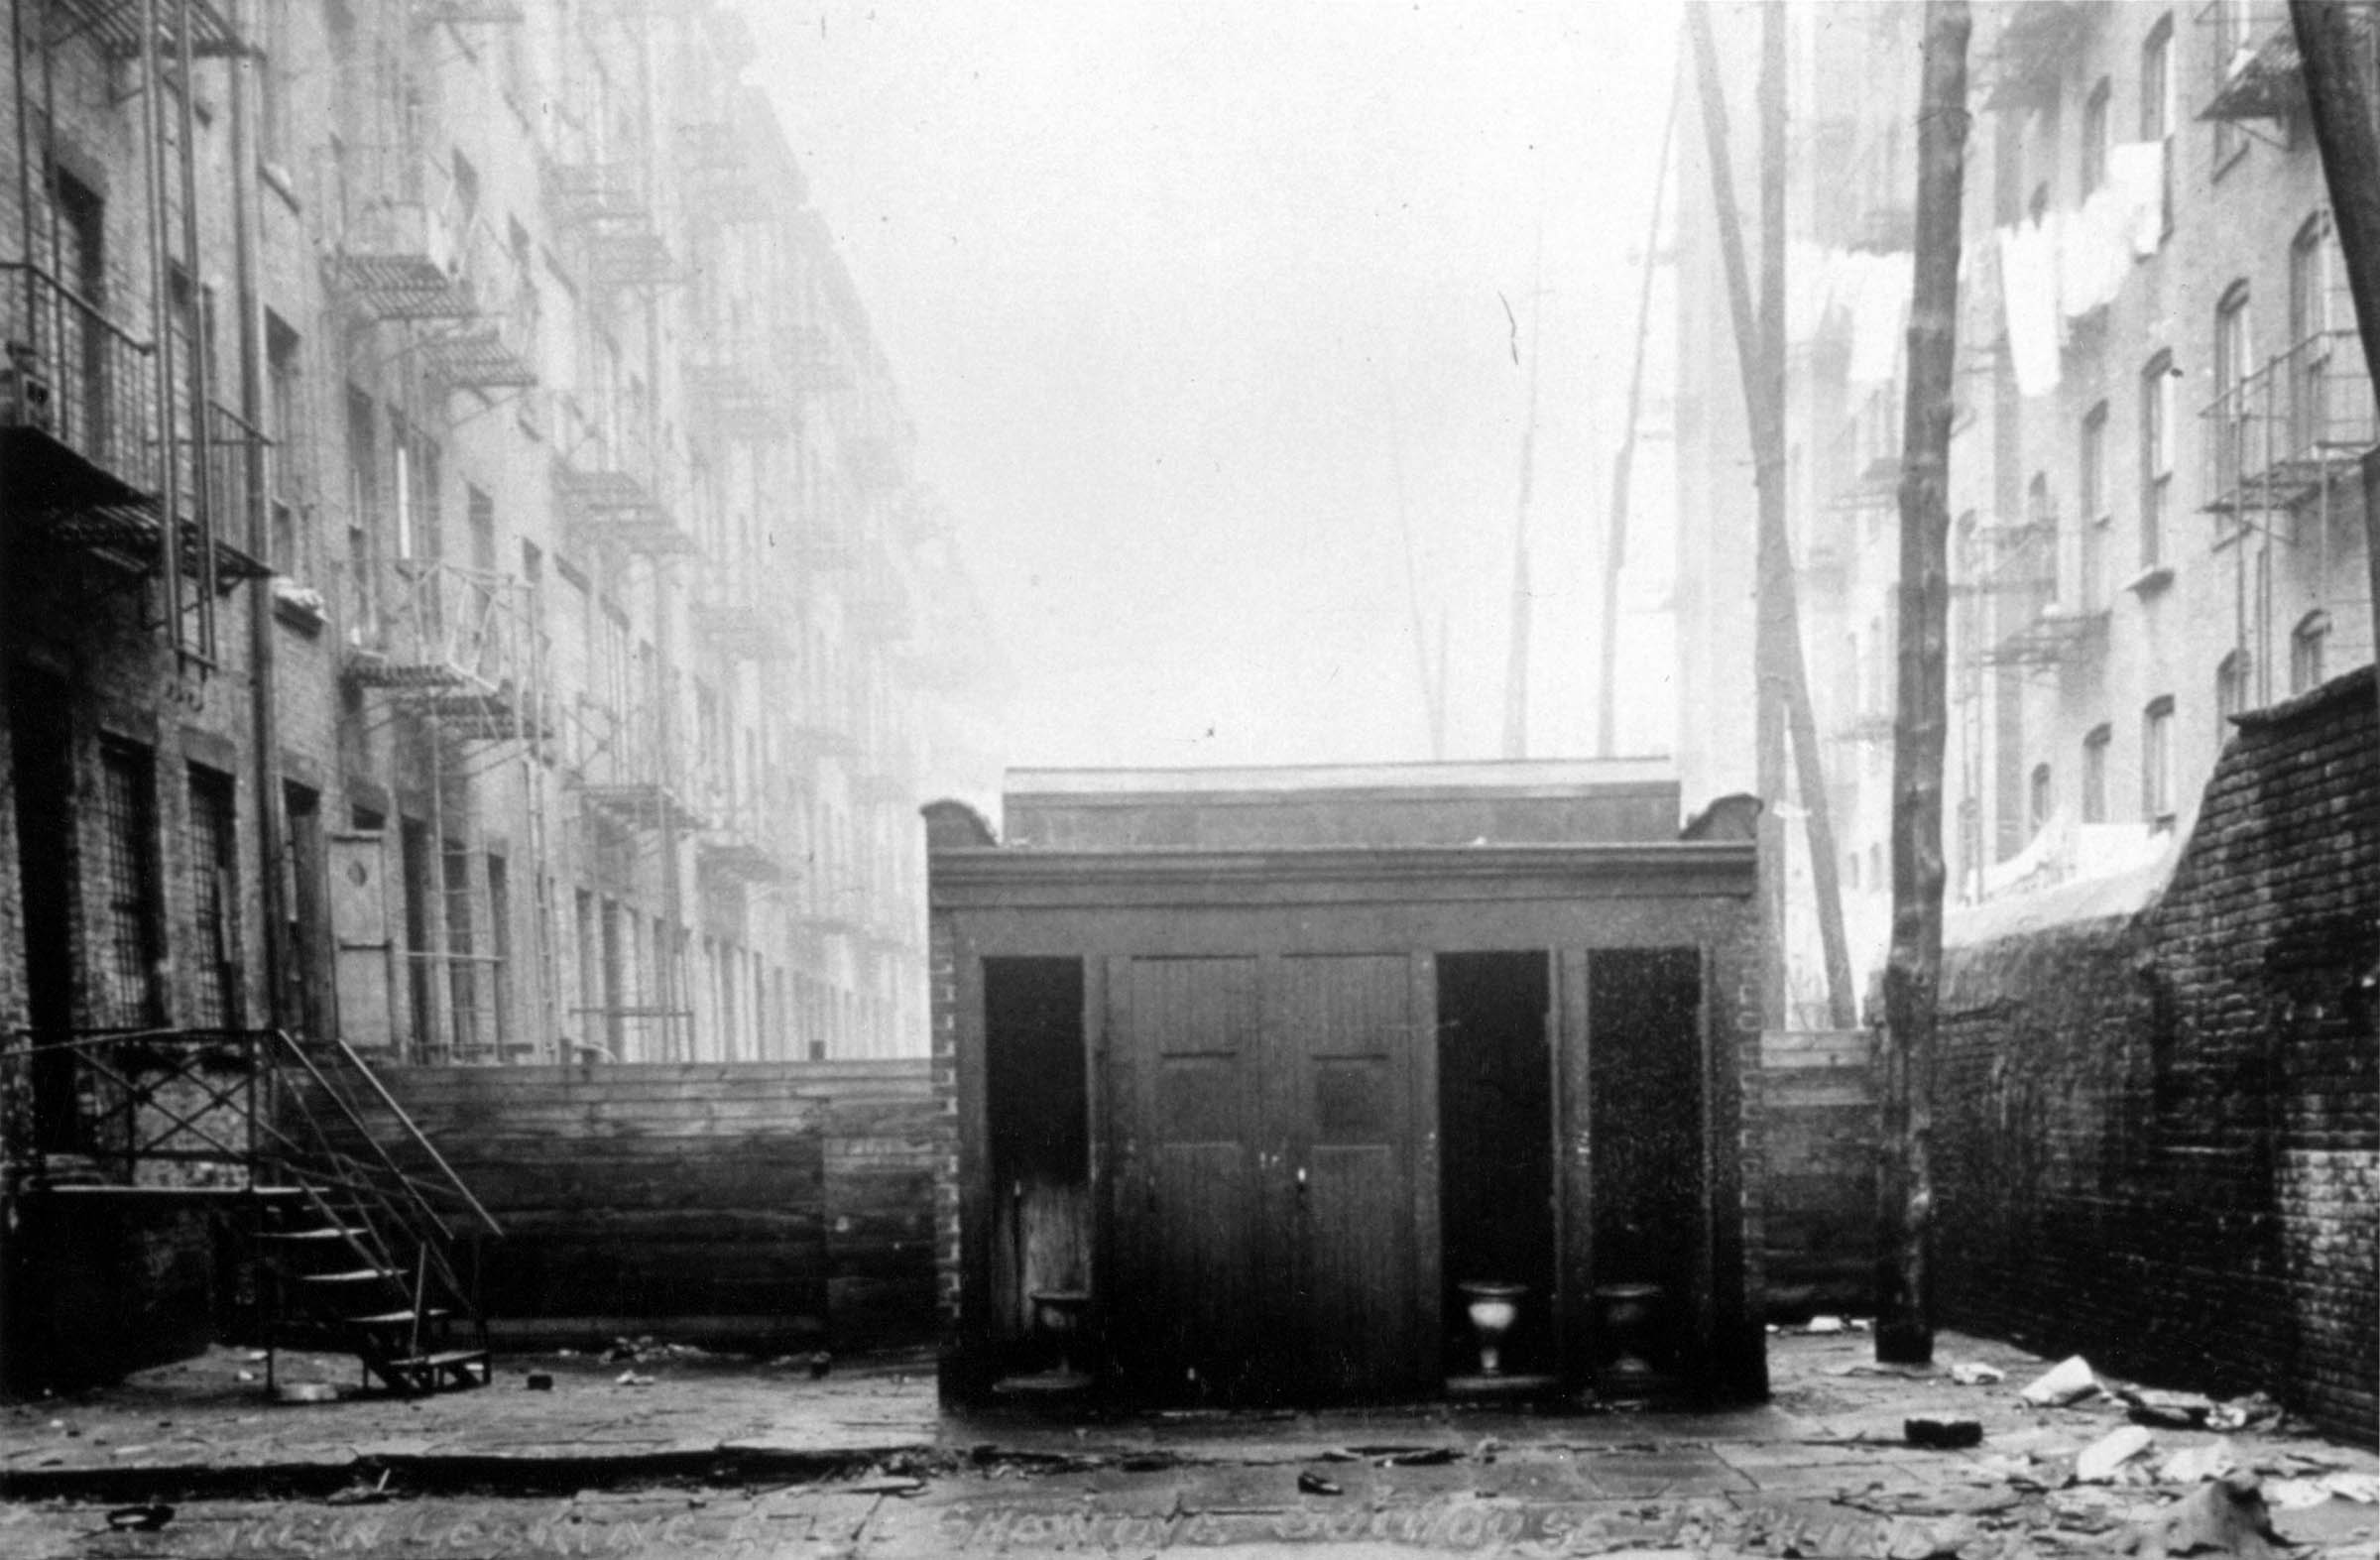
1345,1038
1189,1310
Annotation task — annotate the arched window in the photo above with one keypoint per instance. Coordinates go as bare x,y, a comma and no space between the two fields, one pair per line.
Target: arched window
2230,685
2305,647
2156,455
2157,760
2094,773
2234,426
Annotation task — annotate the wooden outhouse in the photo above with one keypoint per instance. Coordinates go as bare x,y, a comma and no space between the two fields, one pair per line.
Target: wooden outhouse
1257,1069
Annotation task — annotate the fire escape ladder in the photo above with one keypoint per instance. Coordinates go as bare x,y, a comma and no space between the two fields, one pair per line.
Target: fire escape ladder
369,1241
366,1241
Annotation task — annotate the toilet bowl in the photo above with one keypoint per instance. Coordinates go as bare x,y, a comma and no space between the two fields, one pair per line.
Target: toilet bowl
1493,1307
1628,1312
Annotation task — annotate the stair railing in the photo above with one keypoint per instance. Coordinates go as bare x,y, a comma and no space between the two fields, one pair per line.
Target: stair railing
317,1132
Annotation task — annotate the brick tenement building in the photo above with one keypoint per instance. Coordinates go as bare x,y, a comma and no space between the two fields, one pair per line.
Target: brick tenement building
2159,1133
548,456
2156,516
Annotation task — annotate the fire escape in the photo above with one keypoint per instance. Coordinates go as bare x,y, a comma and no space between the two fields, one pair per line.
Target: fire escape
2284,437
117,449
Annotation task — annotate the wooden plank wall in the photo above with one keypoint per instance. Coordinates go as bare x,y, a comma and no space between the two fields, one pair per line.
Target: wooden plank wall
1819,1129
764,1202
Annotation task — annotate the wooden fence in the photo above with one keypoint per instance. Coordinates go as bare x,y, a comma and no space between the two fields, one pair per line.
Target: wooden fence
767,1203
1819,1129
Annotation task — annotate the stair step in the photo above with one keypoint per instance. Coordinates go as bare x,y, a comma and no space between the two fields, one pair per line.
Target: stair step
400,1318
444,1359
351,1275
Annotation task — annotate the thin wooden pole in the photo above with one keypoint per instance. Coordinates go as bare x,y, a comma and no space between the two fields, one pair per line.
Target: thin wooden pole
1615,535
1913,971
1783,677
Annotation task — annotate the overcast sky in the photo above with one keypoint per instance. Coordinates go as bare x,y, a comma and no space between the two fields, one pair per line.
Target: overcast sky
1170,290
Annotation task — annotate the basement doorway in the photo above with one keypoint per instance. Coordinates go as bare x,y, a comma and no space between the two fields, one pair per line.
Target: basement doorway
1495,1123
1037,1093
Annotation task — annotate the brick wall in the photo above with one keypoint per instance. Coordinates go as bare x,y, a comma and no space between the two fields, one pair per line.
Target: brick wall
2159,1134
1816,1139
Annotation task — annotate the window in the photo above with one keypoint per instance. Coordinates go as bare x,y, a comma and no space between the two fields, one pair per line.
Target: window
2094,773
2231,19
2157,102
2156,456
480,510
2041,543
285,389
2233,426
272,107
2039,795
2305,645
2097,128
2157,761
2092,460
215,901
2230,685
362,502
2315,312
126,877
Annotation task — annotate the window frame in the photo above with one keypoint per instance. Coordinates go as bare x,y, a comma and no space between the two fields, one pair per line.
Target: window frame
2157,761
2156,456
2098,745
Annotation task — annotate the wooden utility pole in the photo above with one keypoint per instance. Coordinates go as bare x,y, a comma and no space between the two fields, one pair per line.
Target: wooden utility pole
1783,694
2338,99
1624,465
1913,969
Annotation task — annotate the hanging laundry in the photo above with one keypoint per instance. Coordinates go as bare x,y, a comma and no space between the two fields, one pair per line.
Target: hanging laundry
2094,254
1879,315
2029,292
2137,173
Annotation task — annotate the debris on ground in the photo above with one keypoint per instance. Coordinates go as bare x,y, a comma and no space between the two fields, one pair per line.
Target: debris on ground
820,1364
1943,1434
539,1382
139,1519
2098,1463
647,1347
1974,1372
632,1378
1315,1483
2256,1412
2225,1516
2172,1410
1822,1325
2069,1380
2199,1463
361,1494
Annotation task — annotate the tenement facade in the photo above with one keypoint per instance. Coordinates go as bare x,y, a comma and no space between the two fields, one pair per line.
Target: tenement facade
466,588
2162,408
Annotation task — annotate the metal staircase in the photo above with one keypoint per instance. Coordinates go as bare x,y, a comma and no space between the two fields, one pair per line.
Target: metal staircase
363,1239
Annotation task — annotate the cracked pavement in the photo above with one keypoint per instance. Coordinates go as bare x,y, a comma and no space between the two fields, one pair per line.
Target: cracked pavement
723,1456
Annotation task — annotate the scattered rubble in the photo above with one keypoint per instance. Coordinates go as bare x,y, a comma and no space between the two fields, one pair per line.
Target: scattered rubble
1943,1434
2194,1465
2098,1463
2069,1380
2226,1515
1974,1372
2172,1410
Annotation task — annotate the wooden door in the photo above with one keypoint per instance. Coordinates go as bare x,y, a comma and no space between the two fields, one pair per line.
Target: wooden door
1268,1231
1346,1049
362,978
1186,1309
